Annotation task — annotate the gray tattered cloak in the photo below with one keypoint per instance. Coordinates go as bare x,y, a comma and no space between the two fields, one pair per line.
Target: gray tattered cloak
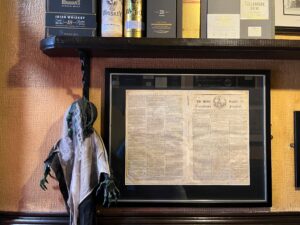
79,157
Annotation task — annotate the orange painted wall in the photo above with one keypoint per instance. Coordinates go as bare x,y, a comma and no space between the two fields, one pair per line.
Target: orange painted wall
36,89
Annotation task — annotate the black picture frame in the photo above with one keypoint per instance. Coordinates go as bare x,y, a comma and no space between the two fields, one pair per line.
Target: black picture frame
287,17
257,194
297,148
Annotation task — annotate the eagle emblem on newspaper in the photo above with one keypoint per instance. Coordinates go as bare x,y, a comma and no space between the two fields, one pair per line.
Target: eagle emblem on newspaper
219,102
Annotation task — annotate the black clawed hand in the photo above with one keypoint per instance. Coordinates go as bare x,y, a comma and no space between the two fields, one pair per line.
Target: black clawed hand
111,193
116,194
44,180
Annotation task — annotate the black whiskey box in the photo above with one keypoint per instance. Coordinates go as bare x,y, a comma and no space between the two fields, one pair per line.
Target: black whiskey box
71,18
71,6
161,19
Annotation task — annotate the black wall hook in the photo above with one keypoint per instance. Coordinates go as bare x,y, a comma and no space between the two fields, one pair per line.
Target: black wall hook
85,61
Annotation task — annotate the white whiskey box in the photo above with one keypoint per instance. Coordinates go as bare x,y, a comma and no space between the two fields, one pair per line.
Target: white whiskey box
112,18
246,19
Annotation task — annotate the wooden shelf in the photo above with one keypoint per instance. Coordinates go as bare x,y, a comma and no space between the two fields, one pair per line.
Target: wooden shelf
62,46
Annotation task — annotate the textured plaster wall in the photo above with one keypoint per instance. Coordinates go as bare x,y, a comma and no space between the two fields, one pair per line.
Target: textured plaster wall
36,89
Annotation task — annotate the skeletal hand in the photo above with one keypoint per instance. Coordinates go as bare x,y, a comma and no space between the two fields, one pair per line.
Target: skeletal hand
43,183
110,192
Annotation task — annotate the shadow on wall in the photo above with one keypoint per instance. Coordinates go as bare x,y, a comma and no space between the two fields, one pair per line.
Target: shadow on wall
33,76
34,68
27,193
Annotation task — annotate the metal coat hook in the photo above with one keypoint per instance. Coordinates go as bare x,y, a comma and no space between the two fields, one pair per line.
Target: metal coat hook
85,61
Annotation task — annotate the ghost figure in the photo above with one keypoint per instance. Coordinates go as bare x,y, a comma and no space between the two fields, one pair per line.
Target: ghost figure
79,161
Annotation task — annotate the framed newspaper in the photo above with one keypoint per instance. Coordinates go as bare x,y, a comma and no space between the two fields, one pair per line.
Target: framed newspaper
189,137
287,17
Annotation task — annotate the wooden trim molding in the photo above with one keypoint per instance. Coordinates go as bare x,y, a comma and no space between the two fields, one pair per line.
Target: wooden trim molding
266,218
9,218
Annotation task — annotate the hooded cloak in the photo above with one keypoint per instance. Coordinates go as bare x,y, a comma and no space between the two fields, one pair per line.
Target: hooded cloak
79,157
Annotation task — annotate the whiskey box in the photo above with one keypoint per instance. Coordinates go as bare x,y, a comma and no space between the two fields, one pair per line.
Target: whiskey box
223,19
188,18
257,19
75,32
134,18
112,18
70,18
249,19
161,18
71,6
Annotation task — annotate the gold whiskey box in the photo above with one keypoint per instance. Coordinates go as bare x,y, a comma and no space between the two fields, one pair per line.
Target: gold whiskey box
133,18
188,18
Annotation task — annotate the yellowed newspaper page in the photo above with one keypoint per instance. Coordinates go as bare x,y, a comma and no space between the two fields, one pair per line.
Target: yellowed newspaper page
178,137
220,137
156,145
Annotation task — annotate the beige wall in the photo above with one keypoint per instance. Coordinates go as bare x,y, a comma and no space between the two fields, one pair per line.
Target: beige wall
36,89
